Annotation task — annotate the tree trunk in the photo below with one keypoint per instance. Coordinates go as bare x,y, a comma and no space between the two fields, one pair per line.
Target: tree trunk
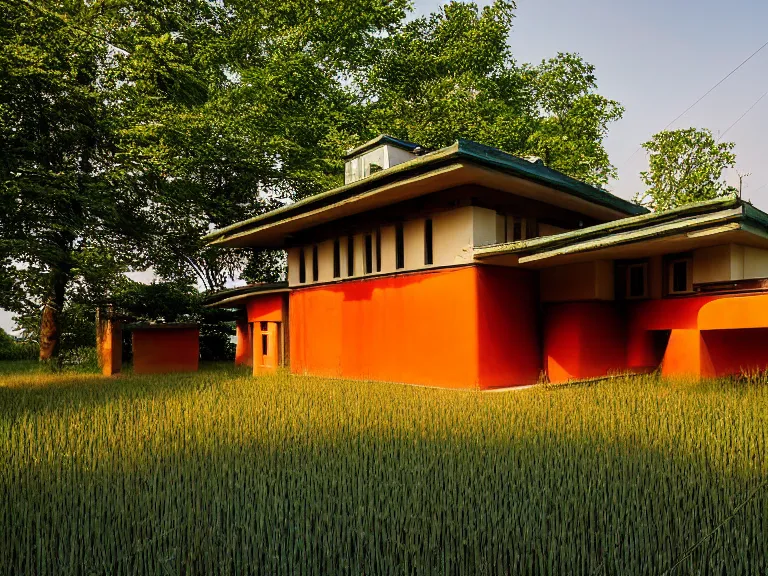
50,329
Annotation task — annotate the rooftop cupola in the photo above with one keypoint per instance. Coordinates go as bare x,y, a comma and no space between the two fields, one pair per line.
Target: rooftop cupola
378,154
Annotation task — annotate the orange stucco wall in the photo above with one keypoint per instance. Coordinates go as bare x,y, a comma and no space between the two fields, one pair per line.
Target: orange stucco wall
266,308
707,335
243,348
109,345
697,336
418,328
583,340
462,327
736,350
508,327
165,350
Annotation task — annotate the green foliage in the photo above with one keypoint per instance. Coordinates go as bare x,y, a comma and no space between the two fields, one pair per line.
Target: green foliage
175,302
10,349
452,75
222,473
70,212
129,129
686,166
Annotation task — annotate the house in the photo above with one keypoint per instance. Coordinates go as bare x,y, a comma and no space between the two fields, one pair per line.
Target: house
468,267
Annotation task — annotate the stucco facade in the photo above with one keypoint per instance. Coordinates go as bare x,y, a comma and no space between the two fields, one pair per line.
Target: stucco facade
469,268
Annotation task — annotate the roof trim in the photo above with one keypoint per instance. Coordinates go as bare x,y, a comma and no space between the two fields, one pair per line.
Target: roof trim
380,140
221,298
540,173
598,231
699,219
461,150
161,326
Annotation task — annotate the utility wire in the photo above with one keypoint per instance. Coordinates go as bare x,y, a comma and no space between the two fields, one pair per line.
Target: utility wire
759,188
707,93
742,116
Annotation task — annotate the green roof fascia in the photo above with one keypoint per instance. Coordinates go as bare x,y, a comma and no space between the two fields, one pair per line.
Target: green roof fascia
232,294
380,140
542,174
608,228
686,225
755,215
461,149
336,194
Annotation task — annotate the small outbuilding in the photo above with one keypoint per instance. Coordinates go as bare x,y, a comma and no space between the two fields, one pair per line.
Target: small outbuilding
163,348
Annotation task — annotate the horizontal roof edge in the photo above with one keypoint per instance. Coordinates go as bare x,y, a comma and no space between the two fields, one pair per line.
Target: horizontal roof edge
461,149
610,228
233,294
374,180
545,175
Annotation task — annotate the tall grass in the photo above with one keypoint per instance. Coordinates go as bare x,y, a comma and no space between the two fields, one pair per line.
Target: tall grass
221,473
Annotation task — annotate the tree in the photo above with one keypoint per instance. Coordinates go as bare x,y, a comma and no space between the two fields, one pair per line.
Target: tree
272,128
69,215
452,75
685,166
129,129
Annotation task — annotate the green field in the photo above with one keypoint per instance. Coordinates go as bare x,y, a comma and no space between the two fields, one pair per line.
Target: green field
221,473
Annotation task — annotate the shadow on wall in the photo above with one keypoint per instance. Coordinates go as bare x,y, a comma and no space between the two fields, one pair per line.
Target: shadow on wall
736,351
584,340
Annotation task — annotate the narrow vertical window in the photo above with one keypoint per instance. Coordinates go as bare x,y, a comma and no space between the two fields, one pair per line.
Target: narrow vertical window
336,258
315,265
351,256
399,247
302,267
378,249
428,242
368,254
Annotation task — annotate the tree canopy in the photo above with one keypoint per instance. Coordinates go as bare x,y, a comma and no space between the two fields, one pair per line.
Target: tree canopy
685,166
452,75
128,130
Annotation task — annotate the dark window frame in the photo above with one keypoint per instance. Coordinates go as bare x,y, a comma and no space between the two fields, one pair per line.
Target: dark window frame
399,247
336,258
368,254
378,249
642,266
669,263
315,264
428,243
350,256
302,267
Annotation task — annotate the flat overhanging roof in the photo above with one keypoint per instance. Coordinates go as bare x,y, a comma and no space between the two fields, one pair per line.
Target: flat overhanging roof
236,297
720,221
464,162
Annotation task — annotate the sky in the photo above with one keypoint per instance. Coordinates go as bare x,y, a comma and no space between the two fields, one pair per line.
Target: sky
656,58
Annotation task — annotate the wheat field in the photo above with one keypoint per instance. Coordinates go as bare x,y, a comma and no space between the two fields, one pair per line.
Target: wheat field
221,473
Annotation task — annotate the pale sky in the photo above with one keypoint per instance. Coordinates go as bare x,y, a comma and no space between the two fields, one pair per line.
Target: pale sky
656,58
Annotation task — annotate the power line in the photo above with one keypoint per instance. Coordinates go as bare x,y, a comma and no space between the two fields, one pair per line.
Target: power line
742,116
759,188
707,93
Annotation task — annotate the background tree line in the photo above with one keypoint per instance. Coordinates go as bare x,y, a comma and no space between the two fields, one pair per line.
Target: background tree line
129,129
